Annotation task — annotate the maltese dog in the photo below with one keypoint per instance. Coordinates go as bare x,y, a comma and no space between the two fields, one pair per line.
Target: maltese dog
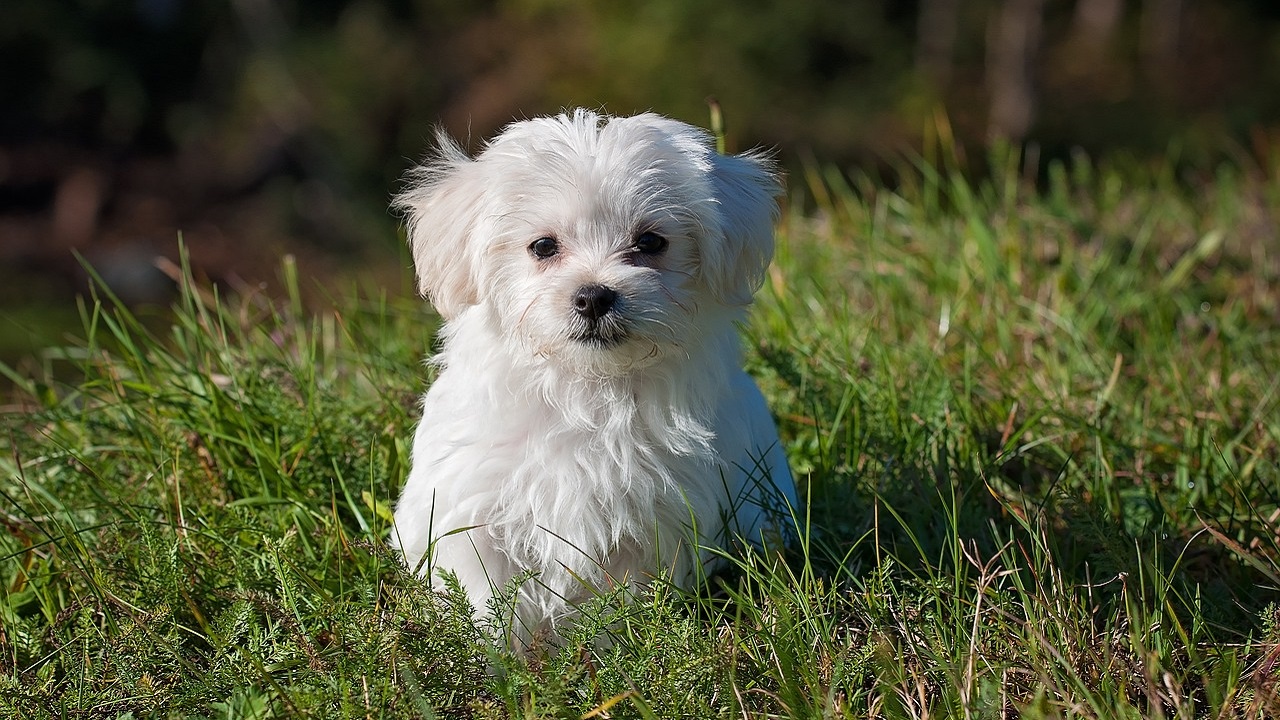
591,425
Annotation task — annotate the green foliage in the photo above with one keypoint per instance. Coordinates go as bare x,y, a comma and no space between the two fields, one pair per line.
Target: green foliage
1037,433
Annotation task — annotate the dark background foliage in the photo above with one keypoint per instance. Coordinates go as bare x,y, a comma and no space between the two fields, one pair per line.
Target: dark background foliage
259,127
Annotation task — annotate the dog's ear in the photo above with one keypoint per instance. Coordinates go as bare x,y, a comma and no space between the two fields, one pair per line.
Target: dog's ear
442,206
746,188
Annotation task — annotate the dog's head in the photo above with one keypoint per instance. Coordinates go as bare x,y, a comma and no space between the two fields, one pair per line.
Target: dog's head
592,240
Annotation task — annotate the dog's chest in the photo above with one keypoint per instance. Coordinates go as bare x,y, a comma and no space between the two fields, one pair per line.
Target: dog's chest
594,481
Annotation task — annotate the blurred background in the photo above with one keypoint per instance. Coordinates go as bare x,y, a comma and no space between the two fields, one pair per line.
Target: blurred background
256,128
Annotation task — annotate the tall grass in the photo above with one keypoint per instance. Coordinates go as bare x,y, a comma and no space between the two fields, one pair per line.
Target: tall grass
1037,431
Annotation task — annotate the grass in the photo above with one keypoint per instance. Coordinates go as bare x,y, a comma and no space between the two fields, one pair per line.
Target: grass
1038,431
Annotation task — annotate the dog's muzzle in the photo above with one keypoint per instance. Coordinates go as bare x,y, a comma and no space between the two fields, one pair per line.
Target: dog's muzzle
594,301
596,306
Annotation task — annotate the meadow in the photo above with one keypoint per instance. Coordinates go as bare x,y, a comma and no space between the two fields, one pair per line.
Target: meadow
1036,418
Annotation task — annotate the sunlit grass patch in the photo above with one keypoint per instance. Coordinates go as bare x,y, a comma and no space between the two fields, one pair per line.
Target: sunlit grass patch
1037,431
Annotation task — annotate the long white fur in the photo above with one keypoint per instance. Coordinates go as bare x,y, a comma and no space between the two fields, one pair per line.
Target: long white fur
585,465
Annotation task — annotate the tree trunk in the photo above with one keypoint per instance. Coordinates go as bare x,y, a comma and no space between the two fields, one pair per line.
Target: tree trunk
1013,42
936,40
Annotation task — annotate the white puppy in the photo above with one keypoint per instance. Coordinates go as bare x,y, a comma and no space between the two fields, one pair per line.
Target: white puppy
591,423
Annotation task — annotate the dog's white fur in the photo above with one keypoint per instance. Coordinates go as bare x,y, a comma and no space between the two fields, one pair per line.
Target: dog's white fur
588,453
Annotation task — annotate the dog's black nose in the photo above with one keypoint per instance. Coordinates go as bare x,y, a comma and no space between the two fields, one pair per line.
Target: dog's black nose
594,301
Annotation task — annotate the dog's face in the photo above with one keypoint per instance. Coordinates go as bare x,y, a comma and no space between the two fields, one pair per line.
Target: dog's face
596,243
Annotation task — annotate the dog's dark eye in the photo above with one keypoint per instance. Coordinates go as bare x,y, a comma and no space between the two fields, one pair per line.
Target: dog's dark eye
650,243
544,247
